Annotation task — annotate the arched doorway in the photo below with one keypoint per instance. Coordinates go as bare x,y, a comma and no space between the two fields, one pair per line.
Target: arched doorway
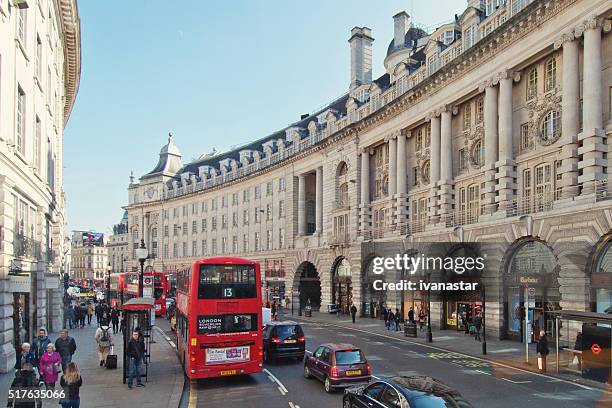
373,300
309,286
342,291
531,268
601,276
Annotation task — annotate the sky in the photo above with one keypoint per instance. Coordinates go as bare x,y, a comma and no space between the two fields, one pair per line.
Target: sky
214,73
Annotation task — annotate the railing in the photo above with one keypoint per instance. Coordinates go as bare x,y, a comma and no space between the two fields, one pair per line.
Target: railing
530,205
601,190
463,217
24,247
340,238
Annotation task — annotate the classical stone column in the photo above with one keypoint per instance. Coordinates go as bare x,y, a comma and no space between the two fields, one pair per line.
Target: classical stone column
392,165
570,115
490,144
401,202
302,204
319,202
592,150
434,167
446,163
506,172
364,207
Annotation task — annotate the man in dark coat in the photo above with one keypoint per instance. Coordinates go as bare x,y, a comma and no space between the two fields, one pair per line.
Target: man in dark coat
39,345
135,352
65,346
477,326
353,312
411,315
542,350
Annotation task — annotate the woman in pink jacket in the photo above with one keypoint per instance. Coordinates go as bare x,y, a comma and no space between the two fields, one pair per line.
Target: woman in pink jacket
50,364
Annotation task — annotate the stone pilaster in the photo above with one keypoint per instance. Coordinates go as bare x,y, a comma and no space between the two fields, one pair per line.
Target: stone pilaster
570,115
506,170
401,198
365,212
446,183
490,144
319,201
592,161
392,141
302,204
434,167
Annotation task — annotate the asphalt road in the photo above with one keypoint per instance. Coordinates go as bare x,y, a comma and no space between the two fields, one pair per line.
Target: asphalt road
484,384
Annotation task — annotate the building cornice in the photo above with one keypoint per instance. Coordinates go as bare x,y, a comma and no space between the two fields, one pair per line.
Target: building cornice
70,24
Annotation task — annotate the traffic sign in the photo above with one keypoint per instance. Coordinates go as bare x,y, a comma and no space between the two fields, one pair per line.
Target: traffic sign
596,349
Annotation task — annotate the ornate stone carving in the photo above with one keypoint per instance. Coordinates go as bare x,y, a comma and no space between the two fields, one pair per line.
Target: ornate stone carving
474,156
568,36
475,132
537,110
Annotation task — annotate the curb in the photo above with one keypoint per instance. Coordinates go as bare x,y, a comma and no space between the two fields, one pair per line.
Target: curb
603,388
179,377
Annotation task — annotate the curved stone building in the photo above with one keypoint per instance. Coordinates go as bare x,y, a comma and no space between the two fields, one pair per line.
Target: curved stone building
40,68
492,129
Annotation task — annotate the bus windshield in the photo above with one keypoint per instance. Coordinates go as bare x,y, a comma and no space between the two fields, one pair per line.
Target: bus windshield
227,282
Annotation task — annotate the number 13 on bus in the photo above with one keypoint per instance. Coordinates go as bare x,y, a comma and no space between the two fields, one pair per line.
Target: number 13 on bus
218,320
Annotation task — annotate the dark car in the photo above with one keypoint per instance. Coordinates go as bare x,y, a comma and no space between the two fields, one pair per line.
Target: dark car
404,392
338,365
283,339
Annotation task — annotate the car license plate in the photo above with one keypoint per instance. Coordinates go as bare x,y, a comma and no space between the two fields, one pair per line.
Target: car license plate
353,372
290,341
227,372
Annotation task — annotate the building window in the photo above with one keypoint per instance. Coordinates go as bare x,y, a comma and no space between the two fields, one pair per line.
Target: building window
281,208
281,184
194,248
204,225
479,110
175,250
425,172
185,228
281,238
268,240
37,142
20,120
234,198
415,176
213,204
165,231
234,244
543,187
234,219
213,223
165,252
204,248
184,211
467,116
245,243
550,75
257,239
22,21
268,212
38,62
551,126
204,206
246,196
257,215
478,153
532,84
463,160
224,221
245,217
558,178
269,188
224,201
527,190
213,248
257,192
526,139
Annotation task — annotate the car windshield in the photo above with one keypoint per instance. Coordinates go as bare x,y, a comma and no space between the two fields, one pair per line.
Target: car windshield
284,332
349,357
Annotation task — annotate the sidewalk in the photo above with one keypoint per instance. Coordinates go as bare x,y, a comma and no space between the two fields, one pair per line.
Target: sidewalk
103,388
506,352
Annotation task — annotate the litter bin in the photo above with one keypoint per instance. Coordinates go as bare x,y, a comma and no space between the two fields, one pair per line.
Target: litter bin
308,311
410,329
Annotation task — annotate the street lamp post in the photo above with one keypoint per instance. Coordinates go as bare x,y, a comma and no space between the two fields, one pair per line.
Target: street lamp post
108,277
141,254
484,325
292,302
429,334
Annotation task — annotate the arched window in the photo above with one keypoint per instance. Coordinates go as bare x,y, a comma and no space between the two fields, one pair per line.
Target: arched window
551,126
550,75
342,169
602,287
532,84
342,198
478,154
532,257
425,176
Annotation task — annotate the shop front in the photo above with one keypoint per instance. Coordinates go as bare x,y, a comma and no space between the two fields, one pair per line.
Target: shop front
275,281
373,300
342,293
601,277
531,288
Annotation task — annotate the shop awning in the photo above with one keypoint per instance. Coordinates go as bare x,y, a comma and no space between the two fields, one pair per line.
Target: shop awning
587,317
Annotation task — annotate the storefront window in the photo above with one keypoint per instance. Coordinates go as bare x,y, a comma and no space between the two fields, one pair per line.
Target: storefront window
342,291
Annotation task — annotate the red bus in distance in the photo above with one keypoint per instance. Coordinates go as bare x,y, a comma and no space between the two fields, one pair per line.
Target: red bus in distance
218,320
160,289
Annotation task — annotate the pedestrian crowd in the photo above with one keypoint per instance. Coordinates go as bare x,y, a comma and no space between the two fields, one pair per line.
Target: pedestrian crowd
43,362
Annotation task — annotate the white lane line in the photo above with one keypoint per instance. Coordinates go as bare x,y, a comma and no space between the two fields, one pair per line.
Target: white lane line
473,357
171,343
508,350
483,372
281,391
516,382
276,380
375,377
291,404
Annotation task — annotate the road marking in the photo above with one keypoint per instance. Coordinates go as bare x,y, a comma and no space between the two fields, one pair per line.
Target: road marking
396,347
516,382
508,350
375,377
281,391
281,387
193,396
474,357
373,358
171,343
163,334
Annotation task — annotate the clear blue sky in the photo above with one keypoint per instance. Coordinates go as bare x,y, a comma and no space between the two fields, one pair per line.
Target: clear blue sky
214,73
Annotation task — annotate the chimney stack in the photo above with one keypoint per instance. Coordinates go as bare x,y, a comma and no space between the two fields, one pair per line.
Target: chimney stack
400,28
361,56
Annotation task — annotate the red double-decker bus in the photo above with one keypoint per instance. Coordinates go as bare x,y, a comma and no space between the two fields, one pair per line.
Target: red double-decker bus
117,289
160,289
218,321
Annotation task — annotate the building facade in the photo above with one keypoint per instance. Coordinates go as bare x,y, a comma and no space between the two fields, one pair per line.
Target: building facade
492,129
117,246
40,64
89,258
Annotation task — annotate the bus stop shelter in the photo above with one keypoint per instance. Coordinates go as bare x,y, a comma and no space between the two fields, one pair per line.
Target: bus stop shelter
583,344
137,315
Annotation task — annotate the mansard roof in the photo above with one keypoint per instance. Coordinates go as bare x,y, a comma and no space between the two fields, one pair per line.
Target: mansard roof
410,40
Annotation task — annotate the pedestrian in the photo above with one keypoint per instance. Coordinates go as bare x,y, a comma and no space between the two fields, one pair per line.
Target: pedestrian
421,318
39,345
338,311
65,346
25,379
385,315
83,314
542,350
123,322
391,318
73,316
104,319
67,321
104,341
50,366
273,310
135,351
286,302
90,312
411,315
25,356
353,312
98,311
71,382
114,317
477,325
398,317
